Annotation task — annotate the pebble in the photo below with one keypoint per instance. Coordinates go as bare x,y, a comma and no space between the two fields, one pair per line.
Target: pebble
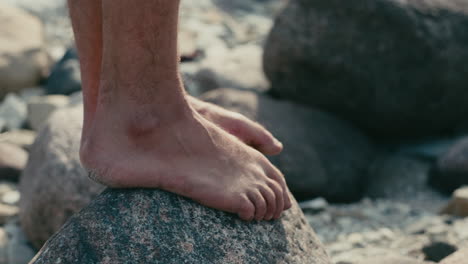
12,112
41,107
21,138
458,206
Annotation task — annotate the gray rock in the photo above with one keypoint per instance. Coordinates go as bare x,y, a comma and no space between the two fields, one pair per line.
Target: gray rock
23,59
13,112
438,250
12,161
41,107
65,77
153,226
323,156
396,68
451,170
53,182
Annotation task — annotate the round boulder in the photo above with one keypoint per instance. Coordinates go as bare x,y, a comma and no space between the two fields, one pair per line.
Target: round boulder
153,226
54,186
396,68
23,61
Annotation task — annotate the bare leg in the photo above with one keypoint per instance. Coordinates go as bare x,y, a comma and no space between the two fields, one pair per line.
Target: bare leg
86,16
87,23
144,133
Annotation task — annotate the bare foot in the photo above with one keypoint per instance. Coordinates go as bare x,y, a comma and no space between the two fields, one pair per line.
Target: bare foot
137,146
251,133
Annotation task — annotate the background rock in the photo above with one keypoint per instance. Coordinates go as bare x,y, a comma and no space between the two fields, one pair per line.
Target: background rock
438,250
65,77
12,161
41,107
13,113
451,169
458,206
396,68
53,185
323,155
20,138
144,226
23,61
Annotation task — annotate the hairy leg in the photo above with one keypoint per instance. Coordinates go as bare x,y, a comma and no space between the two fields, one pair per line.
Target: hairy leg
144,133
87,23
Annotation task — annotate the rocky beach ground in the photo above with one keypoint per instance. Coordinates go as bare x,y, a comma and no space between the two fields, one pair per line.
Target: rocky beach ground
381,198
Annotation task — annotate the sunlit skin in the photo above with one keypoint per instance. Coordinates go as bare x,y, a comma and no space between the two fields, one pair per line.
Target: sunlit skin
142,130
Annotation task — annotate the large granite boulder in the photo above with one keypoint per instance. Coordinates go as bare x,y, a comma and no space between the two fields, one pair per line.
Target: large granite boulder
451,169
53,185
153,226
396,68
323,156
23,61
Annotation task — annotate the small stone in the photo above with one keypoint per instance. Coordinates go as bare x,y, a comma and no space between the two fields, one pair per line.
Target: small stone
21,138
12,161
458,206
314,206
7,212
436,251
29,93
11,197
13,112
41,107
23,60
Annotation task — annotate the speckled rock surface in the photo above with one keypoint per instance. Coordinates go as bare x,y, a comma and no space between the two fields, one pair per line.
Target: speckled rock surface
323,155
53,182
152,226
397,68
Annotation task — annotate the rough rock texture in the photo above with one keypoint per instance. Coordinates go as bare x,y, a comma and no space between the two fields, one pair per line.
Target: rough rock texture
459,257
22,59
451,170
323,156
397,68
458,206
53,182
12,161
153,226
